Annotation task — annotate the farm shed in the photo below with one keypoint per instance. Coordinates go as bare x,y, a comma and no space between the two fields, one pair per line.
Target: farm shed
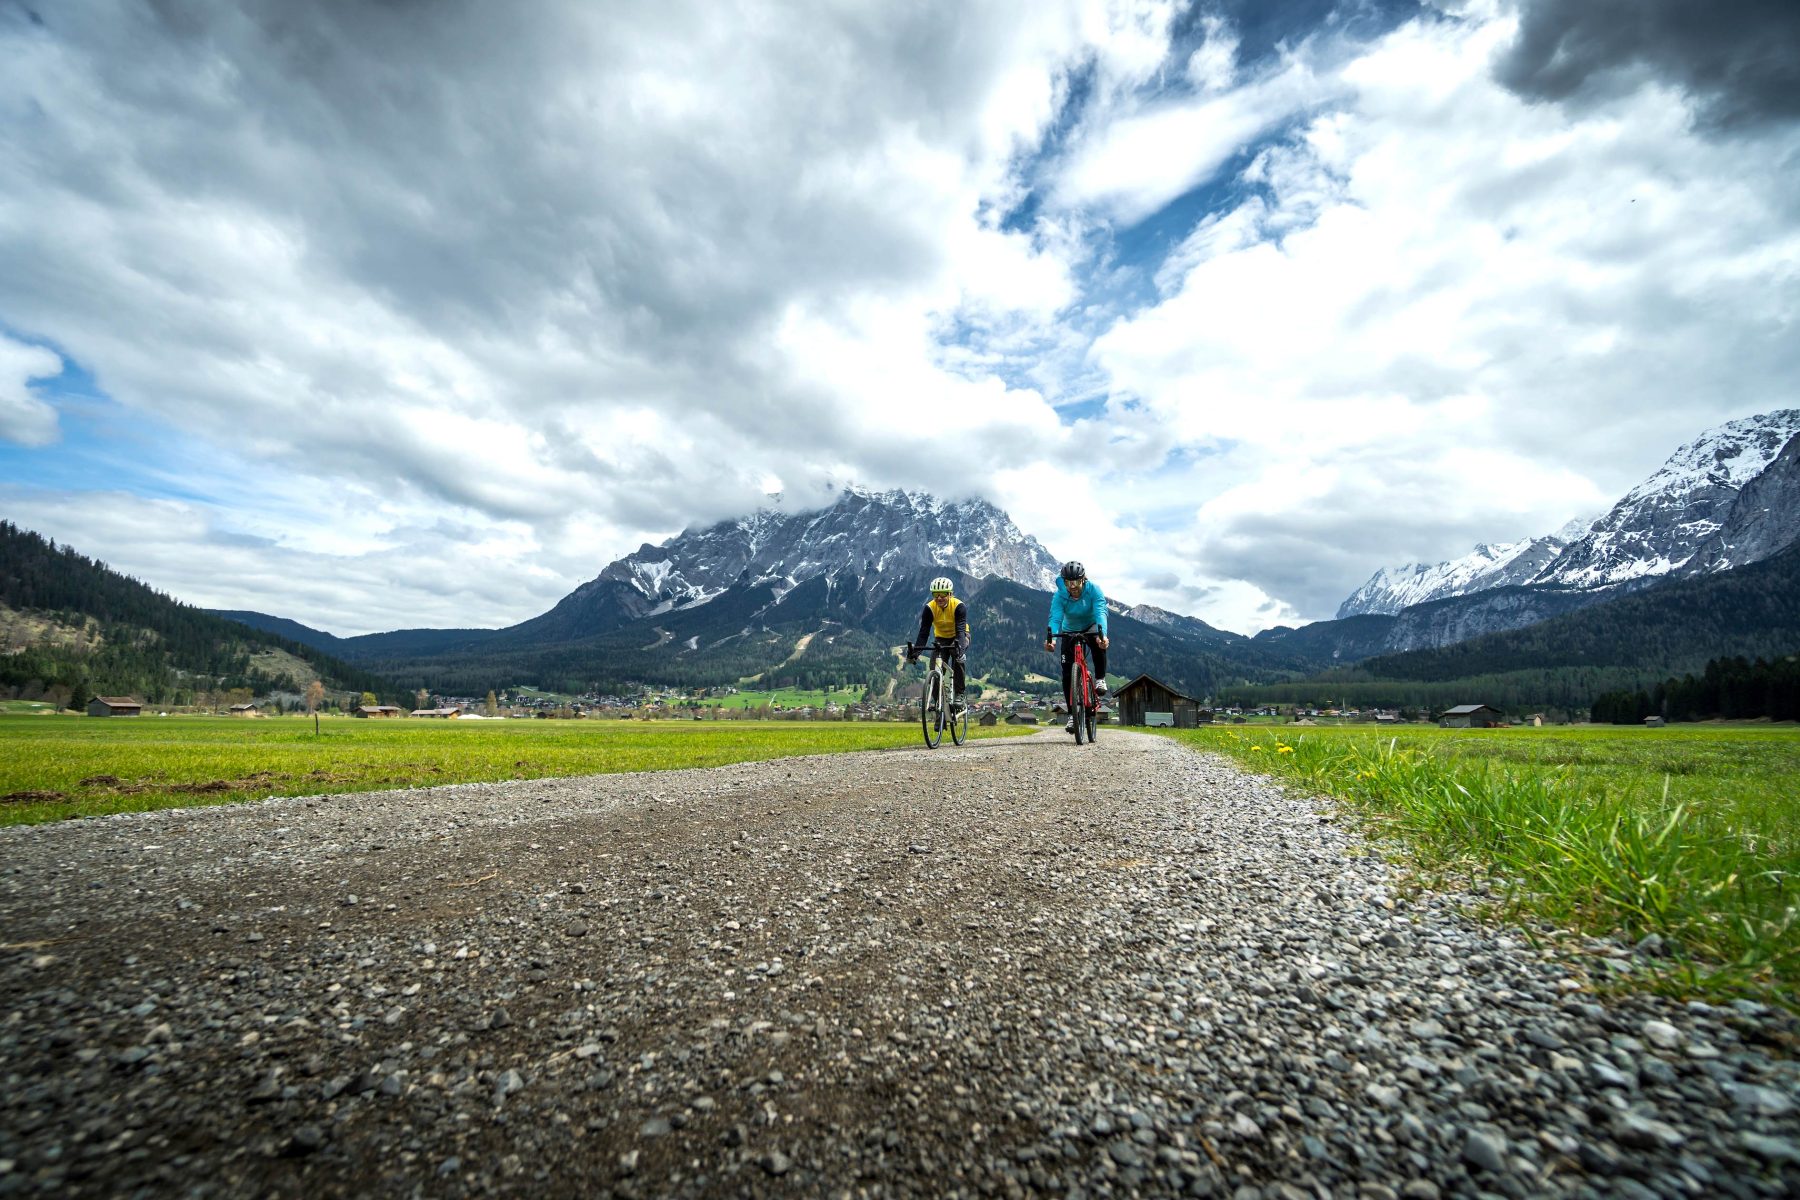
1149,701
379,710
447,712
1470,716
989,718
114,706
245,710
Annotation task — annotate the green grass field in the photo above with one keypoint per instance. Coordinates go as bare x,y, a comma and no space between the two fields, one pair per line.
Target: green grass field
786,697
51,769
1689,832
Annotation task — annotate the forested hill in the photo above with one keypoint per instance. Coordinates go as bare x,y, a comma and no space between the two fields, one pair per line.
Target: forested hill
72,623
1669,629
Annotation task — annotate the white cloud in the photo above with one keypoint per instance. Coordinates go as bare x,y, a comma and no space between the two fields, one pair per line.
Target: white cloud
505,295
25,418
1448,315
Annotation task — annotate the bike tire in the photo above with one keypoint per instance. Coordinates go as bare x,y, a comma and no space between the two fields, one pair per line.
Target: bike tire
959,727
1093,724
1080,715
931,717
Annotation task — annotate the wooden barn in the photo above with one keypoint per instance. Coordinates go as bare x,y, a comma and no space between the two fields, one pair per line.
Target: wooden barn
379,710
1149,701
1470,716
114,706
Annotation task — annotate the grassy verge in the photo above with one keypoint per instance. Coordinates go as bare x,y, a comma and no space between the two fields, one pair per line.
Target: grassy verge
55,769
1691,835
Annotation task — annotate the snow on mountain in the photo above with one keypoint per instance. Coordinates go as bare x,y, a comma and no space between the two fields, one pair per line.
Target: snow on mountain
1487,566
1764,519
1660,524
1655,529
864,533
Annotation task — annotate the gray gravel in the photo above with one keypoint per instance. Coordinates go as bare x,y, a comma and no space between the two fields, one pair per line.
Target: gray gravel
1015,968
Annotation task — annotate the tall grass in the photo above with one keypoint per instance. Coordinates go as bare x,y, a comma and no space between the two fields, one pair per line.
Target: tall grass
1689,836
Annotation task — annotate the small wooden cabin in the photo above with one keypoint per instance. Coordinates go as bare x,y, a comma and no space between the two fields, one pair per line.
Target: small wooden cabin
114,706
1149,701
1470,716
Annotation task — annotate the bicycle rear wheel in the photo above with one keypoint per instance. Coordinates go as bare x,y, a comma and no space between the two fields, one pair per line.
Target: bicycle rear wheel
959,727
931,709
1093,723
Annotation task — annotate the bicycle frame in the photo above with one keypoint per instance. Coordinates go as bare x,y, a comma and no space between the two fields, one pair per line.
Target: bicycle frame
1081,687
934,702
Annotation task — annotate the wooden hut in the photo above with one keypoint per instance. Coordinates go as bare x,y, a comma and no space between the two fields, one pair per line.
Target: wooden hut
114,706
1470,716
1149,701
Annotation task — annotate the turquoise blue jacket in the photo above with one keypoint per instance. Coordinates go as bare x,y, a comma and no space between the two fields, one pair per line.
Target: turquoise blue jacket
1069,615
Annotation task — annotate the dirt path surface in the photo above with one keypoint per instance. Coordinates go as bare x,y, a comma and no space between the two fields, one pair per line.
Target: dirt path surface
1014,968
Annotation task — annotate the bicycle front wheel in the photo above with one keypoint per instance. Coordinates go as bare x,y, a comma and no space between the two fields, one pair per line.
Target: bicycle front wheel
1093,723
931,710
959,727
1080,713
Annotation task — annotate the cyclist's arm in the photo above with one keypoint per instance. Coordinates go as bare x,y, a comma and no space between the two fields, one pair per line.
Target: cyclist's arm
962,624
924,626
1099,607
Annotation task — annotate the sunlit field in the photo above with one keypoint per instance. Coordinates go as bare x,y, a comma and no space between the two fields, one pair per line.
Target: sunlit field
68,767
1691,833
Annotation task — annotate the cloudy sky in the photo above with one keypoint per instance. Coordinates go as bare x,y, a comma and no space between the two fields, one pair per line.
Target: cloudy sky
403,313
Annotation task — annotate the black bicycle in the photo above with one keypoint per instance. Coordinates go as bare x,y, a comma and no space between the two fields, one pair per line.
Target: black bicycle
934,706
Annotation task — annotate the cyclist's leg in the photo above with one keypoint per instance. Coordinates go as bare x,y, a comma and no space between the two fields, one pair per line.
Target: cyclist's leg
958,667
1097,656
1066,644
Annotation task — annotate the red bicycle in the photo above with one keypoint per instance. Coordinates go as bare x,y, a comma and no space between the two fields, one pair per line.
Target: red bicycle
1082,707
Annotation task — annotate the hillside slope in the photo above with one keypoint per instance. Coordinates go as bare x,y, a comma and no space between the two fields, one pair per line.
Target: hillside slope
98,632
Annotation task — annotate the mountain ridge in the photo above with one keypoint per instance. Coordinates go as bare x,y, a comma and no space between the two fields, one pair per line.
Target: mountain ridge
1655,530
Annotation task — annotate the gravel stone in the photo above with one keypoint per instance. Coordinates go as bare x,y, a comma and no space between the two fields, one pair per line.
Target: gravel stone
922,973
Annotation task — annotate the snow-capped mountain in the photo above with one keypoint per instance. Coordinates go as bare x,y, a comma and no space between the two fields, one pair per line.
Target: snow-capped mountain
1764,519
1488,566
1682,514
866,535
1662,522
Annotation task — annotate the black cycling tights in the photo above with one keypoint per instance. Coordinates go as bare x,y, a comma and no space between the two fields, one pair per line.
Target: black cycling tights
1096,660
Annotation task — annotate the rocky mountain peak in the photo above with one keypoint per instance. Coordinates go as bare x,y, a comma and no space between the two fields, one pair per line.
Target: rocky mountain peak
1655,529
1659,524
867,534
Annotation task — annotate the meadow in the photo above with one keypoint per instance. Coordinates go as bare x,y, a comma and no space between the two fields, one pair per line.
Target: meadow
1688,833
55,767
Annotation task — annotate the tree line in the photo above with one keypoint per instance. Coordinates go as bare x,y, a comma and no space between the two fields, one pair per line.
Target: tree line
99,632
1729,688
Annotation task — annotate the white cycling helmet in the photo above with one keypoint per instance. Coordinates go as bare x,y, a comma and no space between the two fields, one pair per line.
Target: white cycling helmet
942,584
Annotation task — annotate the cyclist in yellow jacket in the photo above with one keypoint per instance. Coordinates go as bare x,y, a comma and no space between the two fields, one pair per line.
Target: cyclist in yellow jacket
947,619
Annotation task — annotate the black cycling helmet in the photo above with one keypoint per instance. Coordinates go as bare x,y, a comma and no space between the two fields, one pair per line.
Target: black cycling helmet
1073,570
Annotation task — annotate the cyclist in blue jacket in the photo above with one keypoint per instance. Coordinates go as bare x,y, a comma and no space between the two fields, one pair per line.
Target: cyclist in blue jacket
1077,604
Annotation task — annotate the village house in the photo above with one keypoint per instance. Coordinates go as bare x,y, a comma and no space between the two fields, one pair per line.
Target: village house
114,706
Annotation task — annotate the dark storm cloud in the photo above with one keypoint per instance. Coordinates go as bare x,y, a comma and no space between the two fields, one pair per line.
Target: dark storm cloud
1738,59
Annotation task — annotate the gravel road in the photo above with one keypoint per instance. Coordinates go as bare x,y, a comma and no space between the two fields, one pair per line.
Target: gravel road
1019,967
